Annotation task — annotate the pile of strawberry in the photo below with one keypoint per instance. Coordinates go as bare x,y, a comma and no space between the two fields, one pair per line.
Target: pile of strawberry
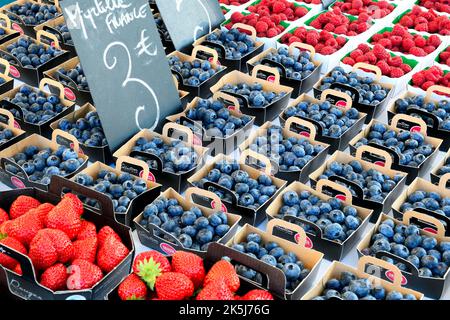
430,77
266,27
400,40
426,21
65,250
323,41
438,5
281,9
335,21
154,277
234,2
444,57
392,67
375,9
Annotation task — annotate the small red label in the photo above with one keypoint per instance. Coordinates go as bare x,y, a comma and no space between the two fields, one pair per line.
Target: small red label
14,72
341,104
223,208
305,134
341,197
308,243
197,141
271,79
68,93
80,151
53,44
167,248
18,28
17,125
415,129
390,275
430,230
150,178
211,59
232,108
380,163
17,183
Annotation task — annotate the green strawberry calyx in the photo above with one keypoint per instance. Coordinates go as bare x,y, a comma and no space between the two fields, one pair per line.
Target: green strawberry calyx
149,270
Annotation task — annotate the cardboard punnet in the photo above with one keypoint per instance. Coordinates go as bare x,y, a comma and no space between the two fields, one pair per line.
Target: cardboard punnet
203,90
301,175
156,237
433,130
42,129
332,250
435,176
17,133
21,180
424,185
359,199
32,76
216,145
7,28
372,111
431,287
413,172
177,181
250,216
137,204
363,271
310,258
185,97
18,24
299,86
27,286
9,82
233,64
72,92
51,27
261,114
339,143
102,154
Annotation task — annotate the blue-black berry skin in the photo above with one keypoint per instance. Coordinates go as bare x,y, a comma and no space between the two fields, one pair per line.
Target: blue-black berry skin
237,44
33,13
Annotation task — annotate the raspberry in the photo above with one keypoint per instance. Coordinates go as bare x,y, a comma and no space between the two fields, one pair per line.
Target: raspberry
237,17
406,21
434,41
406,68
356,53
331,43
407,44
396,41
386,43
362,27
341,30
364,17
418,79
427,84
380,52
272,32
327,50
420,41
418,52
357,4
361,59
371,58
349,61
341,41
300,12
398,30
377,37
444,56
261,26
364,47
395,61
423,27
329,27
279,6
429,49
384,67
397,73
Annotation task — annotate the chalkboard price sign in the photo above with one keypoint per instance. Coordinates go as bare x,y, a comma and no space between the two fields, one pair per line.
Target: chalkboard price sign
189,20
125,65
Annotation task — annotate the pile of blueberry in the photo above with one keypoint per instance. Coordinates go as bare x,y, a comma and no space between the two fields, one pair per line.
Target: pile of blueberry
162,29
37,106
375,185
445,168
237,44
176,156
432,201
122,188
250,193
77,75
29,53
430,256
215,118
297,67
370,93
350,287
336,220
291,154
191,227
88,130
5,135
272,254
64,30
33,13
41,164
440,109
333,120
253,94
410,146
195,72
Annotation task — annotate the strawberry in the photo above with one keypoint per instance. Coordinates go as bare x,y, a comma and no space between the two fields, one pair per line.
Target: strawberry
150,265
174,286
217,290
104,233
75,202
22,205
132,288
43,253
3,216
85,249
111,254
62,244
4,226
225,271
55,277
43,211
257,295
65,217
24,228
88,230
83,275
14,244
190,265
